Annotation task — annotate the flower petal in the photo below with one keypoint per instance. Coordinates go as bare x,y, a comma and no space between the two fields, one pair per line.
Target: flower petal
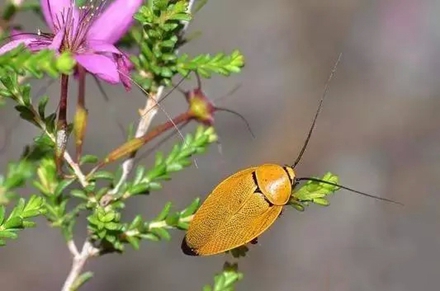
101,66
19,34
55,10
15,43
99,46
57,40
124,68
115,21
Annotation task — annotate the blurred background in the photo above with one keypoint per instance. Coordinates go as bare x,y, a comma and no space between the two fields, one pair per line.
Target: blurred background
379,131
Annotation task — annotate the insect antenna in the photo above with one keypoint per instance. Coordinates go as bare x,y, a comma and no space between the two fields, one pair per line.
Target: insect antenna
232,91
176,87
349,189
157,103
107,99
161,142
317,112
238,115
199,87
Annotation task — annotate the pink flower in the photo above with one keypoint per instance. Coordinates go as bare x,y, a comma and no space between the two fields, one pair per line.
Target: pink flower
89,32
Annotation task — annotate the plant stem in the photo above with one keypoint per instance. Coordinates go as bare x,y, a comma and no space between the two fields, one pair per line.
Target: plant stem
78,264
61,131
150,111
87,250
144,123
80,123
131,147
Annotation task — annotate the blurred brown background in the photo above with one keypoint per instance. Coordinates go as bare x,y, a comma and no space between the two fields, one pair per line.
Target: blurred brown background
378,131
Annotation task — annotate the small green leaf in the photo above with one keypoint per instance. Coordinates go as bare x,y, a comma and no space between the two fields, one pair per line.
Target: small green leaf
173,219
191,209
140,172
13,222
102,175
164,213
183,225
79,194
8,234
2,214
141,188
81,280
42,106
136,223
321,201
150,236
161,233
109,216
89,159
113,226
133,241
154,186
62,186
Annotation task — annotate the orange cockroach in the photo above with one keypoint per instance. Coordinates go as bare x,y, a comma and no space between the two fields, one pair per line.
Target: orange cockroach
247,203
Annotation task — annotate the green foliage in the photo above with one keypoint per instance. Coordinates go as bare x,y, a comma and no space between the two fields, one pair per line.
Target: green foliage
53,189
81,280
105,226
157,229
16,176
45,62
206,64
158,62
105,223
19,217
177,159
226,280
21,94
314,192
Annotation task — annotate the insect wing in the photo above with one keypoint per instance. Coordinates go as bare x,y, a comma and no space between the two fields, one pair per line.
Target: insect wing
223,202
232,215
249,222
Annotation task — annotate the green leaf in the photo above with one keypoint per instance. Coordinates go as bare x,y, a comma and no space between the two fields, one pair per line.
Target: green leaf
150,236
315,192
136,223
191,209
8,234
141,188
173,219
113,226
81,280
161,233
89,159
62,185
134,242
42,106
14,222
102,175
2,214
321,201
109,216
226,280
21,59
79,194
164,213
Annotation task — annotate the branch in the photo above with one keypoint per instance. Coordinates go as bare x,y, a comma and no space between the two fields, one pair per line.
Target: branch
79,260
147,114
